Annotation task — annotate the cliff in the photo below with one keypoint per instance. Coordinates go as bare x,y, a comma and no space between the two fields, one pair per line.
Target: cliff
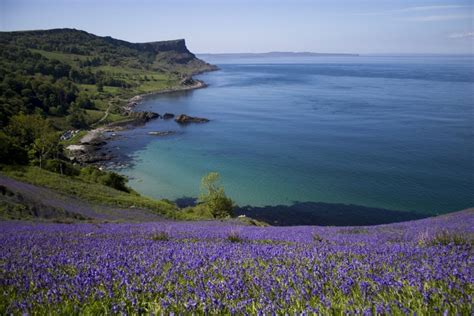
172,55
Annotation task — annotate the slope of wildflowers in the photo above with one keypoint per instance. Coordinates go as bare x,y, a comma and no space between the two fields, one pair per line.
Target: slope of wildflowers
423,266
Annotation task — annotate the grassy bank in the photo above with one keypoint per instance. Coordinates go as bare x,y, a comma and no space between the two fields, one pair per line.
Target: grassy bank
100,195
87,190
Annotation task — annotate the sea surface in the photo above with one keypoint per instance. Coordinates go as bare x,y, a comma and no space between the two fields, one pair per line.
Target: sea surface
391,132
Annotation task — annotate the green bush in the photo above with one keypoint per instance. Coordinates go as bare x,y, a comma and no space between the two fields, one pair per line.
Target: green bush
214,198
61,167
198,212
108,178
116,181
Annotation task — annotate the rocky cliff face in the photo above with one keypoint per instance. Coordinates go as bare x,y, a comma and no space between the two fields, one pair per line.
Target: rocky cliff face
176,54
168,56
178,46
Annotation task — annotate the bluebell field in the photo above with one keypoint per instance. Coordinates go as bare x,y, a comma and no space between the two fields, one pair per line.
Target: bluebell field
422,267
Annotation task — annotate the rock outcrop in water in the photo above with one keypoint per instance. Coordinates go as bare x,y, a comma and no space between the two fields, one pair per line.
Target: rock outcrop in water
144,116
186,119
168,116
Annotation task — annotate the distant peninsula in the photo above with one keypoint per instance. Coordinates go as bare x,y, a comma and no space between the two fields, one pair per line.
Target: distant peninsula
274,55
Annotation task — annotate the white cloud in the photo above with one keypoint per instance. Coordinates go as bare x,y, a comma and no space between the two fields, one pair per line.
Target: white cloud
462,35
432,7
433,18
419,9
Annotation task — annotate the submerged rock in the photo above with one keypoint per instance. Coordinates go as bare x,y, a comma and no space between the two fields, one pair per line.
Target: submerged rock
185,119
162,133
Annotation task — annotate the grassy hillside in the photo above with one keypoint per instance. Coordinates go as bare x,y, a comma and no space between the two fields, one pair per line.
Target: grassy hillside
73,76
63,79
85,190
32,193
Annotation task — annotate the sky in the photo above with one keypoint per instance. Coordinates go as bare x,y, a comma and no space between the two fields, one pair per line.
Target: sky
230,26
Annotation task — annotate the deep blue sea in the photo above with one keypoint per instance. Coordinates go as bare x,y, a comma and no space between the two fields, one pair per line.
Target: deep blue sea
381,131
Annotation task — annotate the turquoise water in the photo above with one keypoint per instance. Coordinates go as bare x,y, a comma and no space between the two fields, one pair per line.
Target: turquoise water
388,132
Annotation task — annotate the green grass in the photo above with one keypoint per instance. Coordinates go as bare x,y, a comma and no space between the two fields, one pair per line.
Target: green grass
89,191
63,57
93,192
91,88
142,81
93,116
153,86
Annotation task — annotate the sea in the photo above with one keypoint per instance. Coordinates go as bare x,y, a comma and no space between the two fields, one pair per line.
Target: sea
392,132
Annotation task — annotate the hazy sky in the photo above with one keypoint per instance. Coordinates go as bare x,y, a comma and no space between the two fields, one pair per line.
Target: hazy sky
358,26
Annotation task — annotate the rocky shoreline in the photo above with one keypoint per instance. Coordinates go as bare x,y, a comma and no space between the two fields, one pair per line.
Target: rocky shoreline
89,150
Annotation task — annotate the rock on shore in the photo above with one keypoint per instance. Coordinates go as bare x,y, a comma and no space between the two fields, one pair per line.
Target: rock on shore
143,116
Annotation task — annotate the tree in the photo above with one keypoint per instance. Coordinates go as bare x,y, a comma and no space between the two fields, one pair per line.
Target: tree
77,118
35,134
214,198
45,145
100,86
11,152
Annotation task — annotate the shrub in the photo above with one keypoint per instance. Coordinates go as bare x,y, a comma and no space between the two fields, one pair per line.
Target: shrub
115,181
318,238
234,237
446,238
60,166
160,236
214,197
108,178
197,212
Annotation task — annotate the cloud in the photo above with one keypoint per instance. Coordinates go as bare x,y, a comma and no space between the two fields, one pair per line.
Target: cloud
419,9
462,35
432,7
434,18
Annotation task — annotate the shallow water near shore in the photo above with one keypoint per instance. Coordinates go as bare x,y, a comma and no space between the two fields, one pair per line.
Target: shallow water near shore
386,132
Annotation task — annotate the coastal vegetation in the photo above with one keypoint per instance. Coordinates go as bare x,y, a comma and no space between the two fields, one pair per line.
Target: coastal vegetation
213,197
88,185
71,76
64,79
108,188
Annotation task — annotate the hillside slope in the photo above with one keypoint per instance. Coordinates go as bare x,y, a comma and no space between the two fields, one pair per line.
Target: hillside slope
76,78
170,55
24,201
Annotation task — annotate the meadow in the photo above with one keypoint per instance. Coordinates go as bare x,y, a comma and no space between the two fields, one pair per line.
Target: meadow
418,267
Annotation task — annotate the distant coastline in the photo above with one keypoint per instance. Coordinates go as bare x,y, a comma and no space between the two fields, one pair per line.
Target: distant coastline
275,55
